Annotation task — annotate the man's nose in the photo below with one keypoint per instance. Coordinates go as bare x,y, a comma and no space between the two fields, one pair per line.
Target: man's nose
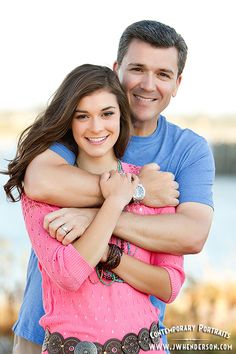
148,82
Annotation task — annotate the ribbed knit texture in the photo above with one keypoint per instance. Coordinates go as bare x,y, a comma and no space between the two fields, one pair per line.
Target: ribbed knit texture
76,303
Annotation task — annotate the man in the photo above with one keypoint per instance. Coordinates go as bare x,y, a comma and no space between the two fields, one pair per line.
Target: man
150,61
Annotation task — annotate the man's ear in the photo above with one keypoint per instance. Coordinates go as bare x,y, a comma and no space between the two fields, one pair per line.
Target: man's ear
115,67
178,82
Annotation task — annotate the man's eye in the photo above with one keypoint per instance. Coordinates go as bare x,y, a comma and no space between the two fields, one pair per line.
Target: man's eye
164,75
136,69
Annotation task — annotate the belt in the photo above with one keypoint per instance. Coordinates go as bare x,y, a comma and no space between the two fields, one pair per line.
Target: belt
131,343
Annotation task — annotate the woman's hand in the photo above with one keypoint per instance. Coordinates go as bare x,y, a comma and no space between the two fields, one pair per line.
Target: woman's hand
67,224
119,187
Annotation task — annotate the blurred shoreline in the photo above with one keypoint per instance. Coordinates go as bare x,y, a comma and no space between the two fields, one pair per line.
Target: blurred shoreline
216,129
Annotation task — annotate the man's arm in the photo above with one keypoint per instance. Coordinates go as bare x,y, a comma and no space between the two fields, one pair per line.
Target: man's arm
182,233
49,178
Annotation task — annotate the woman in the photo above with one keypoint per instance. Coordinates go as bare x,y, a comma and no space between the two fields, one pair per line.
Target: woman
89,308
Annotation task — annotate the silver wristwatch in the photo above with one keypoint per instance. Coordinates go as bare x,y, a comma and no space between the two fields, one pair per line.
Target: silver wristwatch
139,193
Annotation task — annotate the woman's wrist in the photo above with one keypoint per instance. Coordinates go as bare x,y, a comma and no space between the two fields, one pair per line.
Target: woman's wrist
115,202
113,257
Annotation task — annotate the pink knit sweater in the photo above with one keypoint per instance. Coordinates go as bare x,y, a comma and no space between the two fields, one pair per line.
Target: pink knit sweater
76,303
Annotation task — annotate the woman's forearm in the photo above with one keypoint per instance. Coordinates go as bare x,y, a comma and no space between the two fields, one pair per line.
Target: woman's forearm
144,277
92,244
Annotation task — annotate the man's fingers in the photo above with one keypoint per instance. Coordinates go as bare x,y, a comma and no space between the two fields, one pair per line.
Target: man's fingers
173,202
176,194
176,185
151,166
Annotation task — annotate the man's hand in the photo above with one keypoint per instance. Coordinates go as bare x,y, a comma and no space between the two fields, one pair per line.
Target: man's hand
161,188
67,224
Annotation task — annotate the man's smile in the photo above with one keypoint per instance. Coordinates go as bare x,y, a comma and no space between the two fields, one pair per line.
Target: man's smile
144,99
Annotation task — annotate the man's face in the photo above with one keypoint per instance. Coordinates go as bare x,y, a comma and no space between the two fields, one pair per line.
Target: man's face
150,77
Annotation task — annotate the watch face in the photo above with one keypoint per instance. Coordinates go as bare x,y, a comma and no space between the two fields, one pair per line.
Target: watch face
139,193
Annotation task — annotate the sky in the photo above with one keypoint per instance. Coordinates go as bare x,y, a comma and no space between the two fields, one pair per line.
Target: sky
43,40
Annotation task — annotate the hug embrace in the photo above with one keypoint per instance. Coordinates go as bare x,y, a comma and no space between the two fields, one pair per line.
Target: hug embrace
108,228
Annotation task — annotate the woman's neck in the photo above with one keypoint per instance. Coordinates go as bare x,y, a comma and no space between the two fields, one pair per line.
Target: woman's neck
97,165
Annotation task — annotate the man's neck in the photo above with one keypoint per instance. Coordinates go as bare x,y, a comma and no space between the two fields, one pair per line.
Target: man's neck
144,128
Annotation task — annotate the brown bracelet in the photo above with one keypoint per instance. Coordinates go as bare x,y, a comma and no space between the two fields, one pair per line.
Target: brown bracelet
113,258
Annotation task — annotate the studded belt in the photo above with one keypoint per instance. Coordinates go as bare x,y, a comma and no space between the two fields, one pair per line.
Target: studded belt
131,343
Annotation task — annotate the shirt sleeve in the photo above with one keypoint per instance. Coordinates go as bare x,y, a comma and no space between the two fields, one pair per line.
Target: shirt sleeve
197,173
63,264
64,152
174,265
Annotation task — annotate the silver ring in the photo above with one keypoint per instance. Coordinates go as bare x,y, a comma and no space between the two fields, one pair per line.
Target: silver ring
64,228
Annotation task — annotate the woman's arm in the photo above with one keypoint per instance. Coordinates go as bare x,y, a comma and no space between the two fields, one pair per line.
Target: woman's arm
70,265
163,278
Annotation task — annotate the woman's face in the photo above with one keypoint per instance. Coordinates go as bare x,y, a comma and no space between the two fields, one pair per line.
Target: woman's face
96,123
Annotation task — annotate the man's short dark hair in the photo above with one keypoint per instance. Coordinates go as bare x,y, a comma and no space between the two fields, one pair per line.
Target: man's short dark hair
158,35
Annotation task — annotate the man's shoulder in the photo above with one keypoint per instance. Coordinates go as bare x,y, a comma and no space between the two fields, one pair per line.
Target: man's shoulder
185,136
64,152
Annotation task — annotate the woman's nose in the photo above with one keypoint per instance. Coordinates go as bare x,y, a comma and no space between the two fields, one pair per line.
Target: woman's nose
96,125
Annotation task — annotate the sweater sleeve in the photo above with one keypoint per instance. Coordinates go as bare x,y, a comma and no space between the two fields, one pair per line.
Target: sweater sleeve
63,264
174,265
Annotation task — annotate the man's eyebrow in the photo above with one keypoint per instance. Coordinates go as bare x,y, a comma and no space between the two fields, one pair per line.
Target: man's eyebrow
136,64
103,109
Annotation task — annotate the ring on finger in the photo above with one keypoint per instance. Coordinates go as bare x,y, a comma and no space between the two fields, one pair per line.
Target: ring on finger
64,228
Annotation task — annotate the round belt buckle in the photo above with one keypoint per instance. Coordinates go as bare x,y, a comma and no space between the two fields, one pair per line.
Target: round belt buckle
144,339
85,348
69,345
155,337
55,343
130,344
112,346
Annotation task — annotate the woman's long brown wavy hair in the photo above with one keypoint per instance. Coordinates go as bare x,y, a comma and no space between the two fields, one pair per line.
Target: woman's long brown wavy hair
54,125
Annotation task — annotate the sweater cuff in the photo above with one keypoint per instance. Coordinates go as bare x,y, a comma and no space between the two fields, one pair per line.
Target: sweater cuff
176,282
80,268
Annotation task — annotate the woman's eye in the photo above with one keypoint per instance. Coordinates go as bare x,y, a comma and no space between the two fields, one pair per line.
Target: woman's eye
81,116
108,114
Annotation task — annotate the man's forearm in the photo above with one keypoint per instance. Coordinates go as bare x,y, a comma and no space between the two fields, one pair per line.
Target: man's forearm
182,233
61,184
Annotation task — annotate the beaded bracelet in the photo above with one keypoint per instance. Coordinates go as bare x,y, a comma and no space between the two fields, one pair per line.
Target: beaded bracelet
113,258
